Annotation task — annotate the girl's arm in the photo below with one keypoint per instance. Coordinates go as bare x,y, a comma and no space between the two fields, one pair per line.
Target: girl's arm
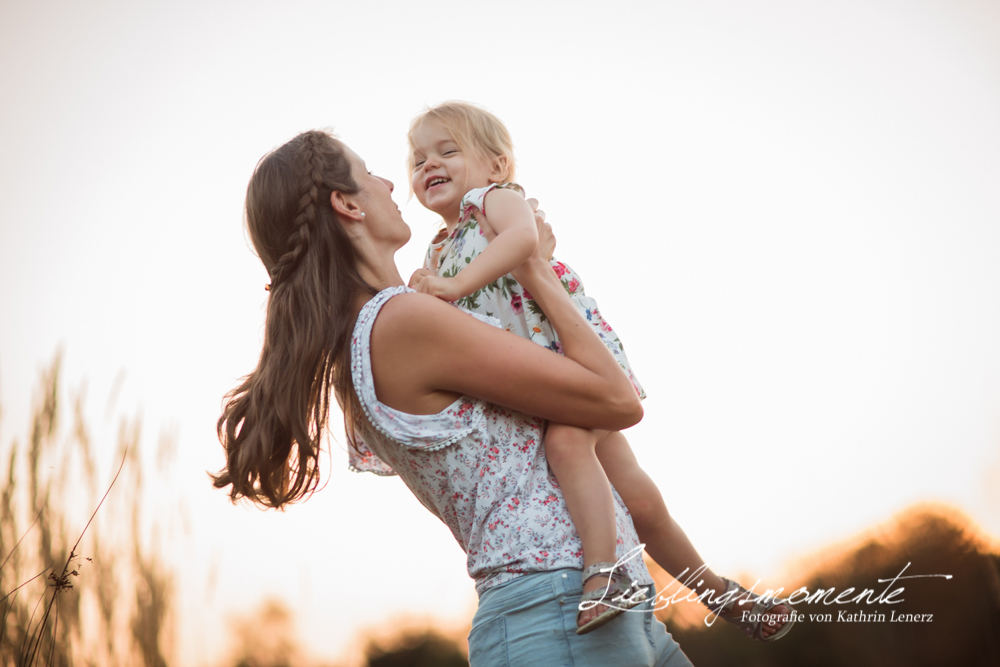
512,221
426,353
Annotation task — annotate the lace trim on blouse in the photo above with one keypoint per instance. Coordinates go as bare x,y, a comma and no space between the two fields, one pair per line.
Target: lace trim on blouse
425,432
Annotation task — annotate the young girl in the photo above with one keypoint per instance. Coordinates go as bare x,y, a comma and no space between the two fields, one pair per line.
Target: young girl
462,165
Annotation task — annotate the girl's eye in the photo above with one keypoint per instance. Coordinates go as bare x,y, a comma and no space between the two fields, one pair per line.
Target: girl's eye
418,164
450,152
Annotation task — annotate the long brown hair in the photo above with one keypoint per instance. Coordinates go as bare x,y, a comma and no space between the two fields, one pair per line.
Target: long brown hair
273,422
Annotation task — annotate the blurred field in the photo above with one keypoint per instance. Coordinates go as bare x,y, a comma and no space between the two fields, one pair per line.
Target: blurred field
108,601
111,602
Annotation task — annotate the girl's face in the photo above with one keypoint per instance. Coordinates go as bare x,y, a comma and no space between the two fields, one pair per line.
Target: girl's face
443,173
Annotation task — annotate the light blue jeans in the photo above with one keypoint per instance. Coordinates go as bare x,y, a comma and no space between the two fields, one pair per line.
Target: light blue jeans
532,621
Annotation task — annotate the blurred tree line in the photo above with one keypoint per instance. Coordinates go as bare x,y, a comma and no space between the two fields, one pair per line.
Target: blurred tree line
965,626
266,638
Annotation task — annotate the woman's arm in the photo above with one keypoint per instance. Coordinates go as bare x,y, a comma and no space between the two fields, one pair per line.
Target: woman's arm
513,224
425,353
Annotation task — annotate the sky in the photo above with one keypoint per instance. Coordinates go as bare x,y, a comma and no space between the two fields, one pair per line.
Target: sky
789,211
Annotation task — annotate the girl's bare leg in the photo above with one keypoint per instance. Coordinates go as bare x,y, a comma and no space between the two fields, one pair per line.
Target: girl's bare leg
571,455
666,543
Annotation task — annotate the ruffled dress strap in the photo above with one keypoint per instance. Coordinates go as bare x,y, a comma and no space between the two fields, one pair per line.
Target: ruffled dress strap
424,432
475,199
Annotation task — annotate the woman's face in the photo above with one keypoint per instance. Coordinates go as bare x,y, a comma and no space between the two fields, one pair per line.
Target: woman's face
383,219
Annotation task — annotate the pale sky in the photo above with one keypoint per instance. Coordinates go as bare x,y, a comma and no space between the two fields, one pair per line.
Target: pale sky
789,211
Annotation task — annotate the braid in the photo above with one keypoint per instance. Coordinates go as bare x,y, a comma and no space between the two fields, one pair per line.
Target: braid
309,189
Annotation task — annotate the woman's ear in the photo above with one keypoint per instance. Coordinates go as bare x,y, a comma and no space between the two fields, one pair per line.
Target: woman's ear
345,207
500,169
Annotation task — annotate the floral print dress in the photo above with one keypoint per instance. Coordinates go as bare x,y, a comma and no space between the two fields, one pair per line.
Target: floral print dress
505,299
481,469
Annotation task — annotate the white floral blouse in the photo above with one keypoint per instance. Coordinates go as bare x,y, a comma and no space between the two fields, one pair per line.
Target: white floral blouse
505,299
481,469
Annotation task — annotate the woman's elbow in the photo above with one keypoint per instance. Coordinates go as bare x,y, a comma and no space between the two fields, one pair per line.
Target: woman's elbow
635,412
627,412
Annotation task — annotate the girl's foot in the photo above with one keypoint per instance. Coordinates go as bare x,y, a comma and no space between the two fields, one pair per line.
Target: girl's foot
611,586
766,624
771,626
587,615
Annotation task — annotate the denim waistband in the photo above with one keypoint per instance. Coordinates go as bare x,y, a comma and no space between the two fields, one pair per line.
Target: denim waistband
528,590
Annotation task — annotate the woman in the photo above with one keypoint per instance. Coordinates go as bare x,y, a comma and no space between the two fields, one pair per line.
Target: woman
459,410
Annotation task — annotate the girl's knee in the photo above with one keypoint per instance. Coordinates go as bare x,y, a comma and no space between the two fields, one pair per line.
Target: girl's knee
566,442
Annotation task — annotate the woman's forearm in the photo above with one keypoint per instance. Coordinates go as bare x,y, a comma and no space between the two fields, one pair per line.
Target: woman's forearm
578,340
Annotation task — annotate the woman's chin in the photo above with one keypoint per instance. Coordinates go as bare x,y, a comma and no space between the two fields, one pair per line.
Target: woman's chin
405,236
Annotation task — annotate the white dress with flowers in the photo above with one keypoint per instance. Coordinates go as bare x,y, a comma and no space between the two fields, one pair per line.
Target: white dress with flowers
505,299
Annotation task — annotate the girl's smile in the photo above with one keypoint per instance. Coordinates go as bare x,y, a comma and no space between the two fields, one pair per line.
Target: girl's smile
443,172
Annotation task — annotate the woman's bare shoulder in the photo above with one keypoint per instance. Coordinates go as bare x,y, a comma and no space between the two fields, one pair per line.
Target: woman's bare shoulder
417,343
413,309
413,320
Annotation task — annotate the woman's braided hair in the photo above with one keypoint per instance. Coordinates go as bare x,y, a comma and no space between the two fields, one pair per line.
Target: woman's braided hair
272,424
309,187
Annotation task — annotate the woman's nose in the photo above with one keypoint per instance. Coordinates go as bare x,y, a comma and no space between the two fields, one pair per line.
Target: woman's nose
387,182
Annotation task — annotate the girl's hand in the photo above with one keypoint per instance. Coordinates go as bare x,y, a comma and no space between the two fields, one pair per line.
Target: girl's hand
448,289
417,276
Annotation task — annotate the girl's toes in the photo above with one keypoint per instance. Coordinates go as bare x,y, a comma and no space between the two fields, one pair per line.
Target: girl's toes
772,628
590,614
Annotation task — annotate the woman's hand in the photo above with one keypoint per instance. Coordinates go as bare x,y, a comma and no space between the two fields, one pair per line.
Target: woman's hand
546,239
539,260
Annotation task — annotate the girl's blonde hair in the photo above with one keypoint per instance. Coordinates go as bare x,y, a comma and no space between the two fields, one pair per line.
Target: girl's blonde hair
473,128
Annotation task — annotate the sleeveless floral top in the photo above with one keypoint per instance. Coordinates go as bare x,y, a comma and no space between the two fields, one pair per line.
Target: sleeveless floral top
505,299
481,469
